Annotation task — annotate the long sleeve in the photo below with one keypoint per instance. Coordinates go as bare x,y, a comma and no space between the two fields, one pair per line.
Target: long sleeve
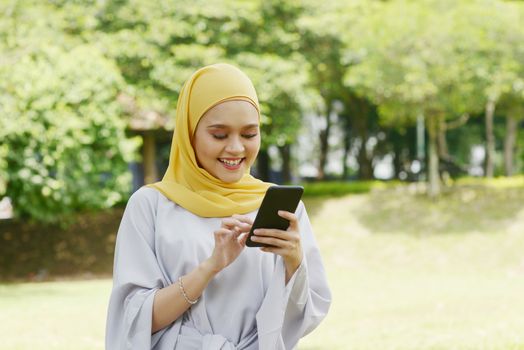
291,311
136,278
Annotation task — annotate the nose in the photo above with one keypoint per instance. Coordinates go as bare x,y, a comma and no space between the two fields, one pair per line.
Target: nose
235,146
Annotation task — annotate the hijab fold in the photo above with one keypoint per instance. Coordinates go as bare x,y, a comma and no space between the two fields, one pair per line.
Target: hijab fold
185,182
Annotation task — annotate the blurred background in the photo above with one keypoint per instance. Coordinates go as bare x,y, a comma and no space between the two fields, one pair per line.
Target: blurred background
403,119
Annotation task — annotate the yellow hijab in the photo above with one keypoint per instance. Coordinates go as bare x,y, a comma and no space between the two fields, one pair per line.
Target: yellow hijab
184,182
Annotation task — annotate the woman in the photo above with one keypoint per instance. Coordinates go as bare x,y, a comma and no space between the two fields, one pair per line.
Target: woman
183,278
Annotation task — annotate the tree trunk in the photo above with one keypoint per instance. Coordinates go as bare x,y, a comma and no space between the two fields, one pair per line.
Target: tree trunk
347,148
421,147
433,177
285,154
509,144
490,138
149,158
324,142
397,153
361,126
443,151
365,168
263,165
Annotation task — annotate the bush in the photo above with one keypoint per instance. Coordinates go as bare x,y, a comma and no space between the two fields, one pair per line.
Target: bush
501,182
339,188
62,133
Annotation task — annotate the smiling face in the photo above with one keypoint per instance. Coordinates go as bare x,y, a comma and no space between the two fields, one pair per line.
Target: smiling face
227,140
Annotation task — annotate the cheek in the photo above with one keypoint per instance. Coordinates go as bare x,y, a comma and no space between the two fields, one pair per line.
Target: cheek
253,148
204,149
205,156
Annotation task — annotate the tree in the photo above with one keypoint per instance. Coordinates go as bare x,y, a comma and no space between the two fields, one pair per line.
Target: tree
60,123
410,65
66,149
323,48
157,47
489,45
281,88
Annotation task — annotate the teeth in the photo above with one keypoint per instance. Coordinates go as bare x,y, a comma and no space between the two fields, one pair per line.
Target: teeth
231,162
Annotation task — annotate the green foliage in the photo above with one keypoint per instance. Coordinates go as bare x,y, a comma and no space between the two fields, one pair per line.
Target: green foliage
63,63
62,133
410,57
80,55
158,47
494,183
281,107
339,188
437,59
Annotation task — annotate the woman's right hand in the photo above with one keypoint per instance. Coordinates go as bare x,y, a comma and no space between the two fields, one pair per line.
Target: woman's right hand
230,240
169,303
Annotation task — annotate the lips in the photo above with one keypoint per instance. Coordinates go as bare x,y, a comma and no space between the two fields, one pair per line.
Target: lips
231,163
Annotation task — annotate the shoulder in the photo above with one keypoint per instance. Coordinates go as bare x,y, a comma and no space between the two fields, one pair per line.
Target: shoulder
149,200
144,193
139,220
144,200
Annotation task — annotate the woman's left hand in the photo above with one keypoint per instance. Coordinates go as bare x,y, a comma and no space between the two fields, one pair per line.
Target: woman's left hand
284,243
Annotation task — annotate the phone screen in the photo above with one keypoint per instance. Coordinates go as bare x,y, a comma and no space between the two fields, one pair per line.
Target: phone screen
276,198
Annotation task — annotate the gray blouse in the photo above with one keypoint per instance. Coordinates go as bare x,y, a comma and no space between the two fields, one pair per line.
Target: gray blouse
246,306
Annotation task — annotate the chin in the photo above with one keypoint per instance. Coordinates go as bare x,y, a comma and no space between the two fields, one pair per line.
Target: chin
230,179
228,176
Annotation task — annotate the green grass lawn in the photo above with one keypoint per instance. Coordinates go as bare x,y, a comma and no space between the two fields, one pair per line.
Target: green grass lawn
53,315
406,273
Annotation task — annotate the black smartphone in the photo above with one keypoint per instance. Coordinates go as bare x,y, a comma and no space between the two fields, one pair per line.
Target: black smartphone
276,198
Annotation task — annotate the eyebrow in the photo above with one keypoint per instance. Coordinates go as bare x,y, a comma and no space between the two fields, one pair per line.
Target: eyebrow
223,126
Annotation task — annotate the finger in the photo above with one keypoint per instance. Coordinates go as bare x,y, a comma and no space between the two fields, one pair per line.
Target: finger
291,217
224,233
279,243
244,227
284,235
274,250
234,224
243,218
230,223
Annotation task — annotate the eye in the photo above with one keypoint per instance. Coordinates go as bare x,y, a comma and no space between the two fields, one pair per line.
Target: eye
249,136
219,136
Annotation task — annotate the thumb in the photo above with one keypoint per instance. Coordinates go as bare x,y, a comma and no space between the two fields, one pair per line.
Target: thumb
242,239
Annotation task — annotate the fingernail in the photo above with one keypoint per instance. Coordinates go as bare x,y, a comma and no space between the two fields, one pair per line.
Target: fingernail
256,232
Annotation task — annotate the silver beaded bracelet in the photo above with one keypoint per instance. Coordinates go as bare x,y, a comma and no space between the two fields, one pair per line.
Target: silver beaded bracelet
183,291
